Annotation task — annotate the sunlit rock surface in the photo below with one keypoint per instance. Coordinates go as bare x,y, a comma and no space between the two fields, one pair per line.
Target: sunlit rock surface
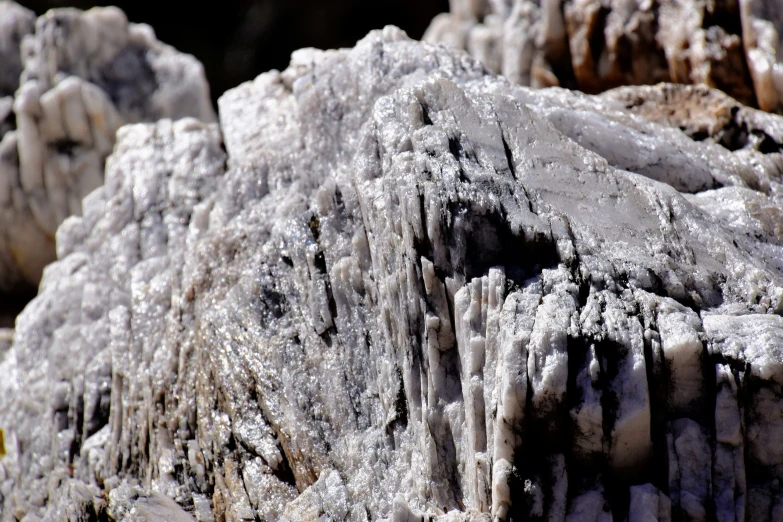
77,77
594,45
394,286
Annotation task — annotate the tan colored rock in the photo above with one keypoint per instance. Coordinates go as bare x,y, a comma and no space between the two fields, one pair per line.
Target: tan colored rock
762,28
595,45
704,113
608,40
15,23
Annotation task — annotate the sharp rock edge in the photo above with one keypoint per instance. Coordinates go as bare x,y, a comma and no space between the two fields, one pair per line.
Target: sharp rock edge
69,80
406,290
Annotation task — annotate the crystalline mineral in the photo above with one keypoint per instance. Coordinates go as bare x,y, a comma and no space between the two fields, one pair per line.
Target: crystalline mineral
407,289
83,75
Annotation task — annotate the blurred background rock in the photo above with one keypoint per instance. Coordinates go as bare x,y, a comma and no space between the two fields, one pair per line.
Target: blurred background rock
238,39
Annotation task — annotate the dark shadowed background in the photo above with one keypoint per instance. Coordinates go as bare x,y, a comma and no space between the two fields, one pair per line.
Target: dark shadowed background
238,39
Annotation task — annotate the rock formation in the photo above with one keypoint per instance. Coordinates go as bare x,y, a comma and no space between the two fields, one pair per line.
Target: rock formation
704,114
394,286
77,77
595,45
15,23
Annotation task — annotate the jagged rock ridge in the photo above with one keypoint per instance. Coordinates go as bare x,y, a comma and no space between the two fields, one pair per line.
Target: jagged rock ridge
407,289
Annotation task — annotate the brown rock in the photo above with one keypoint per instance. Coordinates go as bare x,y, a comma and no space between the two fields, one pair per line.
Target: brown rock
595,45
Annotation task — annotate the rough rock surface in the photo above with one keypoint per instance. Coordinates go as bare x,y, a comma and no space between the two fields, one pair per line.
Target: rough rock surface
15,23
704,114
762,30
77,76
409,290
595,45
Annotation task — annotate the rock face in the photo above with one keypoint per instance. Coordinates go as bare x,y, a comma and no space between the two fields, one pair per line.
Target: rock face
762,30
595,45
704,114
15,23
398,287
77,76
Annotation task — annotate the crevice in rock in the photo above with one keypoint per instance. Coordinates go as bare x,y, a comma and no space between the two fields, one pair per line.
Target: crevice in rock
657,386
457,150
736,135
607,353
400,406
486,240
284,471
536,460
425,115
77,417
65,147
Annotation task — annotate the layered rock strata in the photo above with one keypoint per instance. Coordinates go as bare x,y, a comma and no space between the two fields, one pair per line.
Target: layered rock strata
69,81
394,286
595,45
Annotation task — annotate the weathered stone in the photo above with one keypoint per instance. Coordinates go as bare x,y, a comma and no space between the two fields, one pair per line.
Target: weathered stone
84,75
595,45
704,114
15,23
407,289
762,30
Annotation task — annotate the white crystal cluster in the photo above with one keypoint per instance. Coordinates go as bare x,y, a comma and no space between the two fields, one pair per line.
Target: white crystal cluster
68,81
392,286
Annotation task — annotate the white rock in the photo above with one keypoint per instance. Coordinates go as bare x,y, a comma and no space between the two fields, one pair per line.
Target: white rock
402,293
81,76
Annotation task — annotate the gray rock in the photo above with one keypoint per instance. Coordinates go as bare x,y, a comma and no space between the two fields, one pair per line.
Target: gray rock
84,75
16,22
407,290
